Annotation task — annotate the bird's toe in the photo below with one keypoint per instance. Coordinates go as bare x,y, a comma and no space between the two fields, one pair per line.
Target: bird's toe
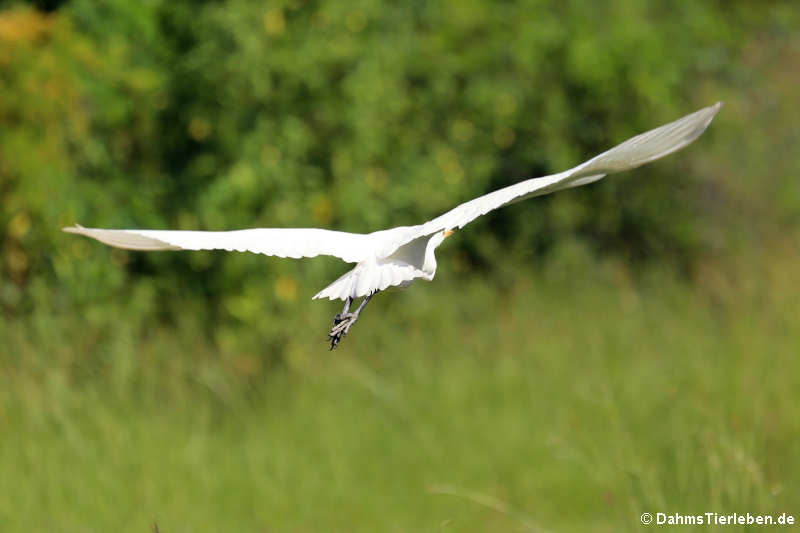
341,317
341,326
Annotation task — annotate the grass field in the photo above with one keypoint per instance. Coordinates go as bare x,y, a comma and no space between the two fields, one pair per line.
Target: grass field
574,402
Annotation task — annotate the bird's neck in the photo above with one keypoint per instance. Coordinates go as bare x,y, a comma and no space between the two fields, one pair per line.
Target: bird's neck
429,266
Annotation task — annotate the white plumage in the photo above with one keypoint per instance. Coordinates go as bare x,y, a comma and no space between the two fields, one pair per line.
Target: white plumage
398,256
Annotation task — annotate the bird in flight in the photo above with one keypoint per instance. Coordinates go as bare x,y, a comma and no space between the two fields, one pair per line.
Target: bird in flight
398,256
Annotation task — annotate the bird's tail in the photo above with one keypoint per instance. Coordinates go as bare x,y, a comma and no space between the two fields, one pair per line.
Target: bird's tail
341,289
367,278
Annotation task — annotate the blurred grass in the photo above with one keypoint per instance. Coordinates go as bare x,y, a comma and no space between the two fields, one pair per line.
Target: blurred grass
572,399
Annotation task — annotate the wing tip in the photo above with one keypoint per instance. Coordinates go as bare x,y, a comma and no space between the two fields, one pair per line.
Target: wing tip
77,228
714,109
708,115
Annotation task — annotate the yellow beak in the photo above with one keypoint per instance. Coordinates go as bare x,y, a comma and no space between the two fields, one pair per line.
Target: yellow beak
448,233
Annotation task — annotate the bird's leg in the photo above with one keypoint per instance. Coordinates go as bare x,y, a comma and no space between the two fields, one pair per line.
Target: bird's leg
345,320
341,316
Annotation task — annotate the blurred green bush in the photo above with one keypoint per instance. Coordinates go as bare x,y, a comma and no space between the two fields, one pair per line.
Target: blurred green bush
349,115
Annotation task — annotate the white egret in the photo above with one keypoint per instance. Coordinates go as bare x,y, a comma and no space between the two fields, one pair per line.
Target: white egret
398,256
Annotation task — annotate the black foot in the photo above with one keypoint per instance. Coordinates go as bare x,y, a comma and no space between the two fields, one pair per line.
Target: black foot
345,320
341,325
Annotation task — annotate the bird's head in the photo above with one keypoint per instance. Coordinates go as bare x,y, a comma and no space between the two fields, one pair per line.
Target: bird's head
438,238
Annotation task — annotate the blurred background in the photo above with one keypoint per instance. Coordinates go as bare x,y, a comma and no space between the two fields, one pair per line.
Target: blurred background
625,347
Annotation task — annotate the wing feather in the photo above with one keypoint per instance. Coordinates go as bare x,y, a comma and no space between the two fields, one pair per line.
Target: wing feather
280,242
630,154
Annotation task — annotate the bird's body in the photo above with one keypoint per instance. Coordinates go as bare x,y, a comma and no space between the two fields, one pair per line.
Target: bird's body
399,256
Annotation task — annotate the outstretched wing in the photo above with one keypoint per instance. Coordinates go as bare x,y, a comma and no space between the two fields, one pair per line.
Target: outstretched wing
355,247
632,153
280,242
